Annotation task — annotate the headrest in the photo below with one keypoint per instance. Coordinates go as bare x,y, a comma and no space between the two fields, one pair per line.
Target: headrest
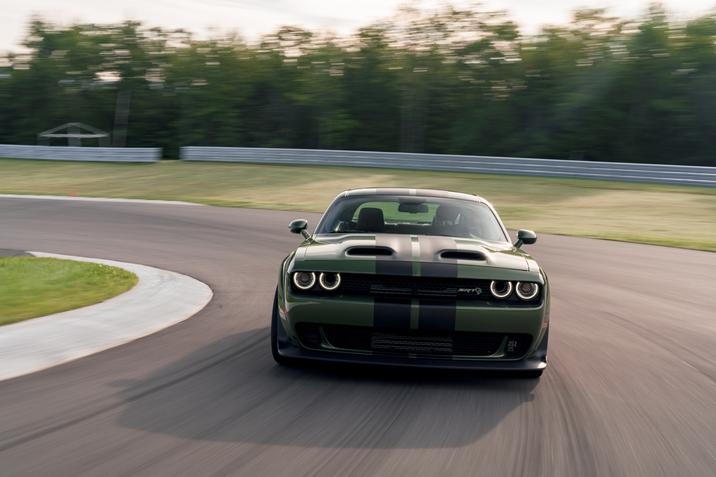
370,219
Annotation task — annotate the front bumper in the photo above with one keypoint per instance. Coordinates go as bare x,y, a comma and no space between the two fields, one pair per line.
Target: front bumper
456,317
536,361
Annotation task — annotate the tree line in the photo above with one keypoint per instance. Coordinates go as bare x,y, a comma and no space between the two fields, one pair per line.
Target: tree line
456,81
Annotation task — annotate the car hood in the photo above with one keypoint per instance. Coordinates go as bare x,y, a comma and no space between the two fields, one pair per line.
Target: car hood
412,255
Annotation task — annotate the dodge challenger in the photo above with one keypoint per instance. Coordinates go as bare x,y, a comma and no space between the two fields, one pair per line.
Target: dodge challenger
412,277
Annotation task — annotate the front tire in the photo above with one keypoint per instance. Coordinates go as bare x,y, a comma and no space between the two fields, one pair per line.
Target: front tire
274,333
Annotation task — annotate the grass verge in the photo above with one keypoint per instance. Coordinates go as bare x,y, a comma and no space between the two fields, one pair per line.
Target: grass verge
680,216
34,286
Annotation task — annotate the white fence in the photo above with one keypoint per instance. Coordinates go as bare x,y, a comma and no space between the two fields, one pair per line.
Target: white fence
87,154
612,171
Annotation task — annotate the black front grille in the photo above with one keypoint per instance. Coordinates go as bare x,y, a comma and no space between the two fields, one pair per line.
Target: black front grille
412,342
392,285
440,288
402,343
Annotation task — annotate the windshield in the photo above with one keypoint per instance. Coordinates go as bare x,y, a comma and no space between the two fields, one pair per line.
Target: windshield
413,215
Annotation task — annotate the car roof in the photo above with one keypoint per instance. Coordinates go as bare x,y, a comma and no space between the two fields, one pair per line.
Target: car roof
416,192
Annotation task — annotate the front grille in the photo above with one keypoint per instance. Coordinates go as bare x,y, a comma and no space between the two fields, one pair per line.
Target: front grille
439,288
412,342
400,343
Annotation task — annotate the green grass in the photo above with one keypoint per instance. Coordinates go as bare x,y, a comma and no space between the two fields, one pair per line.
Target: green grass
680,216
33,286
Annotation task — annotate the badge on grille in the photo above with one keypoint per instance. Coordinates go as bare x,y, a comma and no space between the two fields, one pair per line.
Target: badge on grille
469,291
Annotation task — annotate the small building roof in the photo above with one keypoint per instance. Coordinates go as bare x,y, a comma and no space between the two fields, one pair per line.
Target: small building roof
71,132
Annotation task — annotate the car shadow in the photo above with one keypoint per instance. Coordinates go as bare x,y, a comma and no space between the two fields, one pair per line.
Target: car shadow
232,391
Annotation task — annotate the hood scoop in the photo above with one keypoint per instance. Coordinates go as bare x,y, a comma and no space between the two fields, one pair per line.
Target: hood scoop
370,251
462,255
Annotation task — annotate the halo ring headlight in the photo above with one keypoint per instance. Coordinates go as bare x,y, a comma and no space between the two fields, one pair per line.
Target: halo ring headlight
326,283
304,280
501,294
524,294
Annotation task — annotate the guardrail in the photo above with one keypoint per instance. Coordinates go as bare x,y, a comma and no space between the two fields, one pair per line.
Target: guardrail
616,171
88,154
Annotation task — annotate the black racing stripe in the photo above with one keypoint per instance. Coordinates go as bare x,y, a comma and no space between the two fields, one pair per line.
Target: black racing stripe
391,313
432,315
436,315
445,269
431,265
393,267
389,265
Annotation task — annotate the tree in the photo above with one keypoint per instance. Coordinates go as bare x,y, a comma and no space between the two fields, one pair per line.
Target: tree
451,80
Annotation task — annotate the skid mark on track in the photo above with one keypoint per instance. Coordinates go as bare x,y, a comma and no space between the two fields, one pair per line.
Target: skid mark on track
576,451
102,410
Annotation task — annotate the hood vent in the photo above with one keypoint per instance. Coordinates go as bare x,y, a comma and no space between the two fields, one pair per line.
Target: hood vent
462,255
369,251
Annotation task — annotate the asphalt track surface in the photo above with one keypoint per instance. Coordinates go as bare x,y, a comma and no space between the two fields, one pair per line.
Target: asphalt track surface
630,388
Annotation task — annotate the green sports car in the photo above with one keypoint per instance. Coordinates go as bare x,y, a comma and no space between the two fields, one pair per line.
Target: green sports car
412,277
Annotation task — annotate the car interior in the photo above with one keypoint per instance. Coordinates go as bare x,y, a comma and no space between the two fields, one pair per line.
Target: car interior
417,218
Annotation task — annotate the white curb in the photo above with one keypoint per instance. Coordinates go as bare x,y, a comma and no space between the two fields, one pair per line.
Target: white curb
97,199
159,299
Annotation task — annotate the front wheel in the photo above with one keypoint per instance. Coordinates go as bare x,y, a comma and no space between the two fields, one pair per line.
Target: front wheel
274,333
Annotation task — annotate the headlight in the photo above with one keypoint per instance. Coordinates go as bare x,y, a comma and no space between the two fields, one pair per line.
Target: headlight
500,289
527,290
329,281
304,280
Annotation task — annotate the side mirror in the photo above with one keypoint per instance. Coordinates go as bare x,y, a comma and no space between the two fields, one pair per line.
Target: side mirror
299,226
526,237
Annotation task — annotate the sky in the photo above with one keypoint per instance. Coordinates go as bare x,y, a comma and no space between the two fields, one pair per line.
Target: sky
252,18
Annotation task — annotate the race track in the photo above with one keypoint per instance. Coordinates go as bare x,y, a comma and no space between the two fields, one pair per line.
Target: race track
630,389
